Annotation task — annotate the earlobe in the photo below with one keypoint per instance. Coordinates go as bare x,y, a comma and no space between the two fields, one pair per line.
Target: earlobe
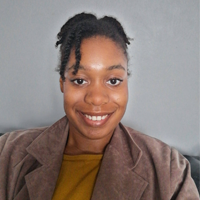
61,84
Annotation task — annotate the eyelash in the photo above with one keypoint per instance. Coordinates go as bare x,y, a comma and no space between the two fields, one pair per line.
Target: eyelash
78,79
116,79
82,80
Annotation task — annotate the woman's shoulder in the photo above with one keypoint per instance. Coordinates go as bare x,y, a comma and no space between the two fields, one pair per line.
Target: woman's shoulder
145,141
19,139
23,138
160,165
155,150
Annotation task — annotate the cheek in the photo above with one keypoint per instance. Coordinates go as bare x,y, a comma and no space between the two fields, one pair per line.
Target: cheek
71,96
121,97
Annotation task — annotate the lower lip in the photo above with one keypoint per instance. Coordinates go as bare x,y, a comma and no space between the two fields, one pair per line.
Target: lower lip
94,123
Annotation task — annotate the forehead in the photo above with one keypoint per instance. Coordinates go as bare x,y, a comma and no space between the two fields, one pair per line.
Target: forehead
97,52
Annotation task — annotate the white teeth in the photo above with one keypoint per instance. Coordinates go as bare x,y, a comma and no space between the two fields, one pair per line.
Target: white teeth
96,118
103,117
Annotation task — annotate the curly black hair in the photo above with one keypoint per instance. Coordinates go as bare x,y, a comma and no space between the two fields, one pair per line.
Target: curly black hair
86,25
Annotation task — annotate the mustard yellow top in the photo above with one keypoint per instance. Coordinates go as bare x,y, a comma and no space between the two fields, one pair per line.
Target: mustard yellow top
77,177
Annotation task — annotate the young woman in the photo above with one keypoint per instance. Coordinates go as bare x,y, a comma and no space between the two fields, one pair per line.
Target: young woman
89,154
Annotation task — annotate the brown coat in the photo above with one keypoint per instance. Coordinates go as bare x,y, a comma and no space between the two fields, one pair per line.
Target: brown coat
134,166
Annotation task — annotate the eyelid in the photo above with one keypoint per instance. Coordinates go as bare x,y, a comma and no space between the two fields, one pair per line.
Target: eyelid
76,79
118,79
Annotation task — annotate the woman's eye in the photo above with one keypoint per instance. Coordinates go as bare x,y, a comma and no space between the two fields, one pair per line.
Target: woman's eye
114,81
79,81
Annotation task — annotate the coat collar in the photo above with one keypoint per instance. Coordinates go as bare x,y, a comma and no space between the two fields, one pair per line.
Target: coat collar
48,150
50,143
116,178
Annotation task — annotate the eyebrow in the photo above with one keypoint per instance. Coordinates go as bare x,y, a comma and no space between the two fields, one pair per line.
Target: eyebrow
109,68
73,66
116,67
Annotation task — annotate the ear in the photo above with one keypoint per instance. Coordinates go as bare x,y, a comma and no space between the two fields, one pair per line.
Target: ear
61,84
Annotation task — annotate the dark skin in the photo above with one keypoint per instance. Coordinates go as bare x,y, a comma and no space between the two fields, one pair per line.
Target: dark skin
95,98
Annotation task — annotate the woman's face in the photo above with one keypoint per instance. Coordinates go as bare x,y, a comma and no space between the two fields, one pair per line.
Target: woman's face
95,98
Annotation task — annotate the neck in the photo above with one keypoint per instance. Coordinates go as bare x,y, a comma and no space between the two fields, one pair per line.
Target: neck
78,144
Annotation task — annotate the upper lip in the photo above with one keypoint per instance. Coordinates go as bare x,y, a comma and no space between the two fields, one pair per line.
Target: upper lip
96,113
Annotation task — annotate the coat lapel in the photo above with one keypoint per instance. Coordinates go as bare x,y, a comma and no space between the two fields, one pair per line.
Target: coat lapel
48,150
116,178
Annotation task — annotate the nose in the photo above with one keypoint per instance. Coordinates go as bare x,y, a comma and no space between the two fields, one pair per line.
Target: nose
96,96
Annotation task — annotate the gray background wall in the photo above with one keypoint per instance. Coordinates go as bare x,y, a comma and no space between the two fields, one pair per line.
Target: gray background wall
164,60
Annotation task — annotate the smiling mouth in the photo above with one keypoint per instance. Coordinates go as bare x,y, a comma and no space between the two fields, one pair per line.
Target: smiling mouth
95,119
